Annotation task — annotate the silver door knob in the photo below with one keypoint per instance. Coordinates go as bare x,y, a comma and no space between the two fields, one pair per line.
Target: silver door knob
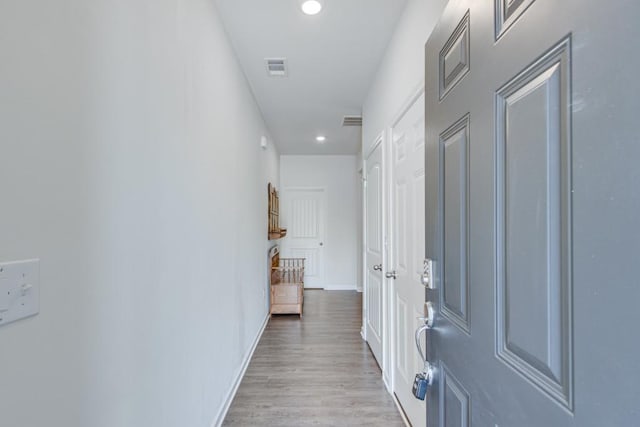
391,275
377,267
429,314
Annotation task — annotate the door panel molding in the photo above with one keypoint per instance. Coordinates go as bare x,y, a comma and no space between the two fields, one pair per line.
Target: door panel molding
534,325
455,406
401,358
455,57
454,222
374,305
507,12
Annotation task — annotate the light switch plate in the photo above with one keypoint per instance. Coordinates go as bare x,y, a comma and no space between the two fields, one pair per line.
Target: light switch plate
19,290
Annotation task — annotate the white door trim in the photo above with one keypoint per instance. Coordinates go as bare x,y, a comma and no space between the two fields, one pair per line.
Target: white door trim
363,211
377,141
407,104
299,188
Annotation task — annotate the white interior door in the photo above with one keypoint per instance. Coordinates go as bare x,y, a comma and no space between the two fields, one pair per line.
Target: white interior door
407,252
374,252
303,215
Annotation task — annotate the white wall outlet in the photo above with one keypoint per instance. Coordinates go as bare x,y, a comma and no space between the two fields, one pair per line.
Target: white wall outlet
19,290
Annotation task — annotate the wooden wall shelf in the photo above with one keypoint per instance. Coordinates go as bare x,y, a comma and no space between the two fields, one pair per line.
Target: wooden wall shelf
275,232
273,235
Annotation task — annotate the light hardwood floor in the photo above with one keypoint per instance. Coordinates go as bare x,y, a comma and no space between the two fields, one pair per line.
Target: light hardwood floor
315,371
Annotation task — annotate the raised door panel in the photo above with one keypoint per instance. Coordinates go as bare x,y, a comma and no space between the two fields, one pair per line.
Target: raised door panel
455,57
403,331
311,260
455,403
454,146
402,226
374,303
303,218
374,213
534,225
507,13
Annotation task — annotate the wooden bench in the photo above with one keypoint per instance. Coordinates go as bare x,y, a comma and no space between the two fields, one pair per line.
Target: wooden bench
287,285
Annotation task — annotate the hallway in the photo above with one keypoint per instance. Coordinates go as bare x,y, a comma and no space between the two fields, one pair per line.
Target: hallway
314,371
460,178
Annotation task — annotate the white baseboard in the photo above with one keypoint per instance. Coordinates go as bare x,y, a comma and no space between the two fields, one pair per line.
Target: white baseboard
387,382
340,288
401,410
222,413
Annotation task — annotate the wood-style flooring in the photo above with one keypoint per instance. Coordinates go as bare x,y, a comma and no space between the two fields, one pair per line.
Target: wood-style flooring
315,371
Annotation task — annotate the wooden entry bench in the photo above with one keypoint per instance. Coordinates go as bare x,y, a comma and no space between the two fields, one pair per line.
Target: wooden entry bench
287,284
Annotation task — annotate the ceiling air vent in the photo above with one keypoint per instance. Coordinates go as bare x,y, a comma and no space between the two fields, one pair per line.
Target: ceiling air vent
352,121
276,67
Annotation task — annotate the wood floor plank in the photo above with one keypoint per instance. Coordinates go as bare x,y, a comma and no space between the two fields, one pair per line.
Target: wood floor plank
314,371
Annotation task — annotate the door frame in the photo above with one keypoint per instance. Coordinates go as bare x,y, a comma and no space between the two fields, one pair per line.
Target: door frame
379,141
363,251
323,189
416,93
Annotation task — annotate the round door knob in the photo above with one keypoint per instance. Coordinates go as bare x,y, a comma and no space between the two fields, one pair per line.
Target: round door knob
321,244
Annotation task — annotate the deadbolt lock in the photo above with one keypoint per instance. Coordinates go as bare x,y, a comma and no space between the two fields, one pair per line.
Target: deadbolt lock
426,277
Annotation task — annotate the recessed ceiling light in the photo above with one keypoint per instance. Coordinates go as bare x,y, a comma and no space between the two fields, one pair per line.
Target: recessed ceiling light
321,139
311,7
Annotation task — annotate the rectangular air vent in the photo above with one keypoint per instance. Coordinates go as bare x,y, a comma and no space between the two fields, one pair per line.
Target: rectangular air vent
276,67
352,121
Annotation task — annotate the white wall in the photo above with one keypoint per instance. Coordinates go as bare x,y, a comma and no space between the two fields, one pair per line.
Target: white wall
401,72
130,165
339,176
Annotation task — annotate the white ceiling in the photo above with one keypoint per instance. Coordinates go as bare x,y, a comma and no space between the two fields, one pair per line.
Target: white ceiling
332,59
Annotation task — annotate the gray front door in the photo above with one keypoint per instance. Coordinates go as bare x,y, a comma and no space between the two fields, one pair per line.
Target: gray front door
532,213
